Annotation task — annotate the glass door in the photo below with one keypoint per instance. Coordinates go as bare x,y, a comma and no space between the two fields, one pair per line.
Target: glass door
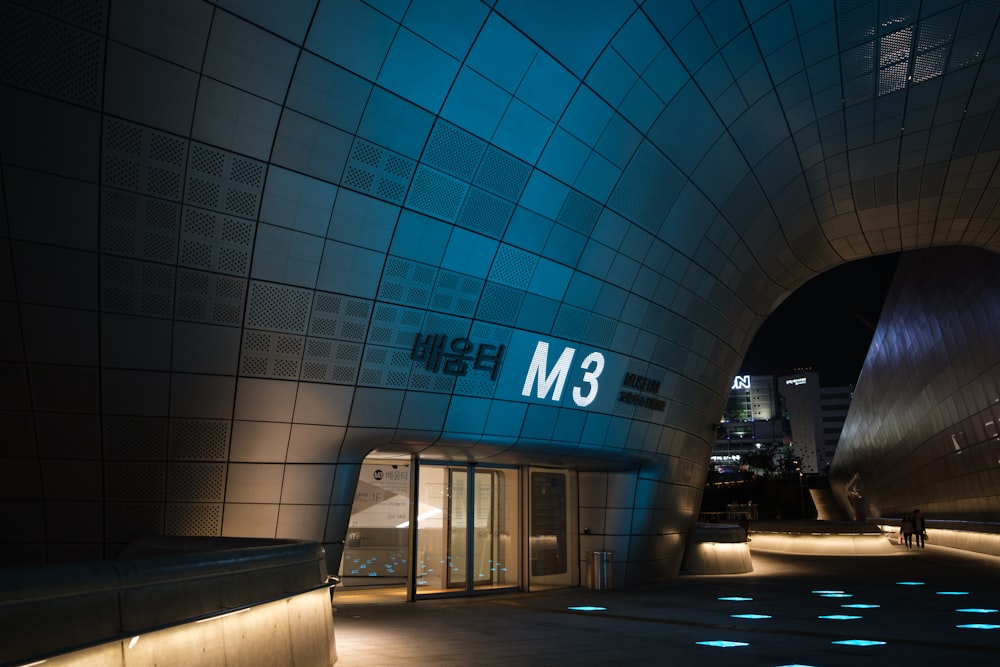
467,529
375,552
458,529
552,529
495,537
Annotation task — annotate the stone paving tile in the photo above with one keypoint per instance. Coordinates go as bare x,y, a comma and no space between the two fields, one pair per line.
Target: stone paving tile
662,624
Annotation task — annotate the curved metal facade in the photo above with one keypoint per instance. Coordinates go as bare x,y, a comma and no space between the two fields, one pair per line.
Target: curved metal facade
922,431
228,225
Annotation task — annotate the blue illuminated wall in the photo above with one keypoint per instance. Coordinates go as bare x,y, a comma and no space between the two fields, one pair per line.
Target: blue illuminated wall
225,225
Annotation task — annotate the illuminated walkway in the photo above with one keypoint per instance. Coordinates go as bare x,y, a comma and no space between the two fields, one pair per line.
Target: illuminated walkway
792,610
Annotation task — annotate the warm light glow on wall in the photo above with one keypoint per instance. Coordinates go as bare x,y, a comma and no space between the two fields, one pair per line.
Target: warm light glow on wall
281,632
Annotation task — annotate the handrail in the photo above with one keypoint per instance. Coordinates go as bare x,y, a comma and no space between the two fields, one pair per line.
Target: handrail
943,524
50,609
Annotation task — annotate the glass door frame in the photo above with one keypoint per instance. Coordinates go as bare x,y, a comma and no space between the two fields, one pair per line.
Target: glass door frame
469,547
570,578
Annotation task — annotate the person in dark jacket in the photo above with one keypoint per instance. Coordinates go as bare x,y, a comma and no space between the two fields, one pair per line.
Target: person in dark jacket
918,528
906,530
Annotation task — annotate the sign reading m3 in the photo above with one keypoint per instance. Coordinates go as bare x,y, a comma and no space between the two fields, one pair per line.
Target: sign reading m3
543,380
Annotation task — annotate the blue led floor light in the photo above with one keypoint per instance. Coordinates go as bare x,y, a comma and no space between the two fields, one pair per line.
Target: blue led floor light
722,643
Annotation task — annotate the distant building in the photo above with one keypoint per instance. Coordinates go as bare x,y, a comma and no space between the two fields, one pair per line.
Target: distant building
834,403
817,415
753,420
794,410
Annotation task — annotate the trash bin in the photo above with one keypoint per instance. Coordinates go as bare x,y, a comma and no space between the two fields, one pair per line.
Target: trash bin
599,571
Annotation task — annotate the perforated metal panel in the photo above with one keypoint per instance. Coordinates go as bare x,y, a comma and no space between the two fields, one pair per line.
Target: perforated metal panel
196,482
194,519
513,267
500,304
502,174
395,325
387,367
199,439
579,213
600,331
491,333
453,327
72,63
223,181
454,151
406,282
436,194
423,380
209,297
647,189
143,160
332,361
378,172
140,288
570,321
135,437
902,52
278,307
341,317
855,22
485,213
215,242
456,293
266,354
134,225
134,480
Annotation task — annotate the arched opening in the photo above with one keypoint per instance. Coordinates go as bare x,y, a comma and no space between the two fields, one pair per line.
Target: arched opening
778,433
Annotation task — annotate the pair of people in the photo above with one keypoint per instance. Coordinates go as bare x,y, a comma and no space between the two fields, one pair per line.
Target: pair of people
913,524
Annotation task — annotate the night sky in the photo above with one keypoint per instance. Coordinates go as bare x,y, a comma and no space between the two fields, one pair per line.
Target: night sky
826,325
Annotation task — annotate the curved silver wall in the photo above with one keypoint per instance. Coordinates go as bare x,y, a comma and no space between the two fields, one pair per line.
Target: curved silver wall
923,430
226,224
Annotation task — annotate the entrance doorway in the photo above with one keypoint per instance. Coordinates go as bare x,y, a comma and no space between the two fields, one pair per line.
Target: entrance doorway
467,530
428,529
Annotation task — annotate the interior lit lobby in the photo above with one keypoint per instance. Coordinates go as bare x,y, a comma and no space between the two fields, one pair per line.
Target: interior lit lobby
444,298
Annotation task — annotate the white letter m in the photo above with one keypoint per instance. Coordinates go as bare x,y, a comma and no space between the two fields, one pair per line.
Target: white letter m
537,371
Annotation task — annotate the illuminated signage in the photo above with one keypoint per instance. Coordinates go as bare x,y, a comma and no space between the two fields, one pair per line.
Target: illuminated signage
741,382
796,381
561,373
545,381
455,358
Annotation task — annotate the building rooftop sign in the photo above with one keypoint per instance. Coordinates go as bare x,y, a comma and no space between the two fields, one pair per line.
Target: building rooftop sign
741,382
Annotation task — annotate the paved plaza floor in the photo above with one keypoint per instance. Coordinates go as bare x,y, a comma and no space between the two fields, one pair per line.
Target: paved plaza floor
938,606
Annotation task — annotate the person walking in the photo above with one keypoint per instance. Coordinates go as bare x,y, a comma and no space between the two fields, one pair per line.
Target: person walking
906,530
919,529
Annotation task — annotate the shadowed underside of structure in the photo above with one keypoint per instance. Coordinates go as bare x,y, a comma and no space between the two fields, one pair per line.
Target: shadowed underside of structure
237,241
